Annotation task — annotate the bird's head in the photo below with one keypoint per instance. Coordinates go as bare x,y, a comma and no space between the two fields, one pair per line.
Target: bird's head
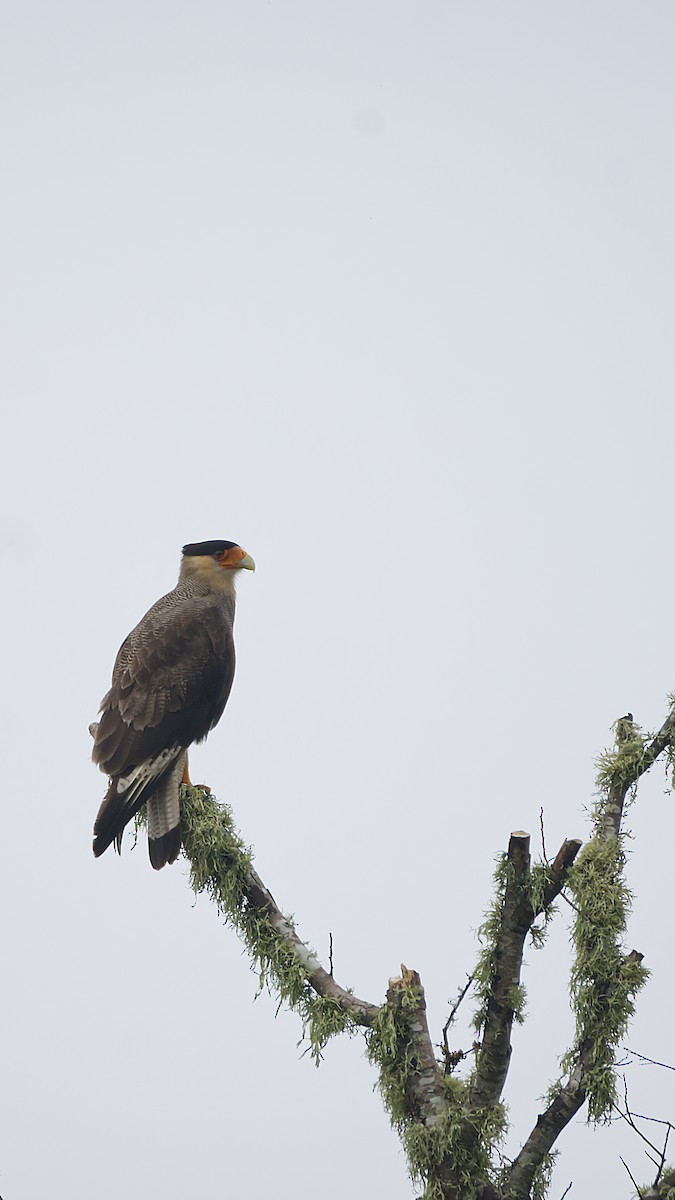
214,562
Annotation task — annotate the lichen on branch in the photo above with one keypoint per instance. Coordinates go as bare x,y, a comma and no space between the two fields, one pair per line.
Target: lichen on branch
451,1127
448,1150
605,977
221,867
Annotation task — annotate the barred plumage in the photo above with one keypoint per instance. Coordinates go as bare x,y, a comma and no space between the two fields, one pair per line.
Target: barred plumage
170,684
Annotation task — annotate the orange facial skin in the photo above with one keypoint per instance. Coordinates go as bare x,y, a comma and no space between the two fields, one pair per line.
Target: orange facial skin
230,558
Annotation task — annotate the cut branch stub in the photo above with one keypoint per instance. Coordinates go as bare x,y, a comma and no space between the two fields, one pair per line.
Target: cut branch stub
424,1087
558,872
566,855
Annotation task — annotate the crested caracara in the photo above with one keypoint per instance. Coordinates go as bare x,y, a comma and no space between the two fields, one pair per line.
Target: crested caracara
170,684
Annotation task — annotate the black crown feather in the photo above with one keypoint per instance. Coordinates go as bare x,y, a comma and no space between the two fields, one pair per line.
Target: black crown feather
206,548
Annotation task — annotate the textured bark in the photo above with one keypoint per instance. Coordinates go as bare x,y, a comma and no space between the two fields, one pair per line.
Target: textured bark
426,1097
571,1095
550,1125
558,870
321,980
613,810
518,916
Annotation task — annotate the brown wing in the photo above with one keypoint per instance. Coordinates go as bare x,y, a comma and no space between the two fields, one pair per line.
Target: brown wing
171,681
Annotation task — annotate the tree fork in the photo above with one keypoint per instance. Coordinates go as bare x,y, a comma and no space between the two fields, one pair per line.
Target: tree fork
449,1126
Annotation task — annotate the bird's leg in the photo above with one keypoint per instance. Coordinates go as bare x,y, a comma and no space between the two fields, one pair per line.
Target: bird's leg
187,782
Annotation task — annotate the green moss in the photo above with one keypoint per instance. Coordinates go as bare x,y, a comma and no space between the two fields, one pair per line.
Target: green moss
532,890
219,866
604,980
538,883
428,1149
621,766
488,936
457,1138
542,1179
388,1042
665,1189
668,1185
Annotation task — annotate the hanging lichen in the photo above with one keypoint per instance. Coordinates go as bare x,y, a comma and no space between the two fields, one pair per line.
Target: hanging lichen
220,864
532,888
542,1178
605,978
457,1143
488,936
621,766
452,1151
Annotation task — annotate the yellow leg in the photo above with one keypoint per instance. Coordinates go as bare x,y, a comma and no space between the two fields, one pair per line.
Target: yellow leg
186,774
203,787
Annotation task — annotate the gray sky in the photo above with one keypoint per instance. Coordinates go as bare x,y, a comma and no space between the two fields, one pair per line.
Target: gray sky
385,292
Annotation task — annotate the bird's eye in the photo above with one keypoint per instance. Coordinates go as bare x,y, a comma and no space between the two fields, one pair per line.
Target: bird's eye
219,555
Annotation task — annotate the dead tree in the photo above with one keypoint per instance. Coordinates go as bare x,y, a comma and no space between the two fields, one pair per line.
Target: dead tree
450,1125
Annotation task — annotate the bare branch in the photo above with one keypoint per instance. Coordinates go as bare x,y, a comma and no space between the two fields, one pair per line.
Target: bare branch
631,1117
628,1117
453,1013
662,1163
653,1061
635,1185
541,829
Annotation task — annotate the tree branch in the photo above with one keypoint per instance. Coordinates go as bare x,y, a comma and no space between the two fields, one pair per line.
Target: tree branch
450,1059
447,1126
261,899
558,871
518,916
425,1093
550,1124
659,743
221,866
636,765
629,762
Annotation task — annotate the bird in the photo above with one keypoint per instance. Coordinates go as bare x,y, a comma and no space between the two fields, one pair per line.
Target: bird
170,683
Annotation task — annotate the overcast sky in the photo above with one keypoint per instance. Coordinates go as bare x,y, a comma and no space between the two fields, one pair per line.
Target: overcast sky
383,291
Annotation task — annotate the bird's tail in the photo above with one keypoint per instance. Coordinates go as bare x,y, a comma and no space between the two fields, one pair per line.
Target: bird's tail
164,831
158,780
